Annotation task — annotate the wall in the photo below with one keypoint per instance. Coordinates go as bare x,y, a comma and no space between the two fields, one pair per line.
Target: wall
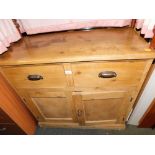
145,100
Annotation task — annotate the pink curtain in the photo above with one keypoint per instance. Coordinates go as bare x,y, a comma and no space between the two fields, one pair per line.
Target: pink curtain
8,34
33,26
146,26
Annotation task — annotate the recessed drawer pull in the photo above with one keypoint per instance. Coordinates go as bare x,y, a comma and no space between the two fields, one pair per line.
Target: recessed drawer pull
2,129
34,77
107,74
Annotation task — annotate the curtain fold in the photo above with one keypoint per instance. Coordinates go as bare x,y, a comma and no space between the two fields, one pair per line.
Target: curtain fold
146,26
34,26
8,34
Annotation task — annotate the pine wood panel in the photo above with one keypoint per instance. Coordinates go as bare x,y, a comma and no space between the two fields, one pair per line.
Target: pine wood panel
79,108
101,107
53,76
39,99
75,125
100,44
71,94
129,73
51,105
104,110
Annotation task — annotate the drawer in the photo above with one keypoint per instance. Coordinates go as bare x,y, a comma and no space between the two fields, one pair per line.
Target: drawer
40,76
108,75
10,129
4,118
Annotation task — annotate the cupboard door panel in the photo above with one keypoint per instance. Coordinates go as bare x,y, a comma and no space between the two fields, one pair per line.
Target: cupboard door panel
103,109
51,107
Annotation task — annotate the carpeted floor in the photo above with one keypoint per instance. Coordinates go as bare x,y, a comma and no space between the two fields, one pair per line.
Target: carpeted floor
130,130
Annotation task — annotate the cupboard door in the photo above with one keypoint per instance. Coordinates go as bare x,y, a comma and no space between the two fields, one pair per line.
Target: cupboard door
101,107
51,106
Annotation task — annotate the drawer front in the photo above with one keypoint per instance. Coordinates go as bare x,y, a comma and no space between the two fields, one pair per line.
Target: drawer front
10,129
45,76
4,118
108,75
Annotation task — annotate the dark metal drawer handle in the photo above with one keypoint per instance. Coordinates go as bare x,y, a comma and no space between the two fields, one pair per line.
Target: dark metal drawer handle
3,129
107,74
34,77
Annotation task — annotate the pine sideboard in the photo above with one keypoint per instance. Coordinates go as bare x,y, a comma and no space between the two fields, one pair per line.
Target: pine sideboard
87,79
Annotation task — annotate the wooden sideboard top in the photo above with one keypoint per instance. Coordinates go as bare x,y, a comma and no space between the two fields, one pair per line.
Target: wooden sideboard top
72,46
